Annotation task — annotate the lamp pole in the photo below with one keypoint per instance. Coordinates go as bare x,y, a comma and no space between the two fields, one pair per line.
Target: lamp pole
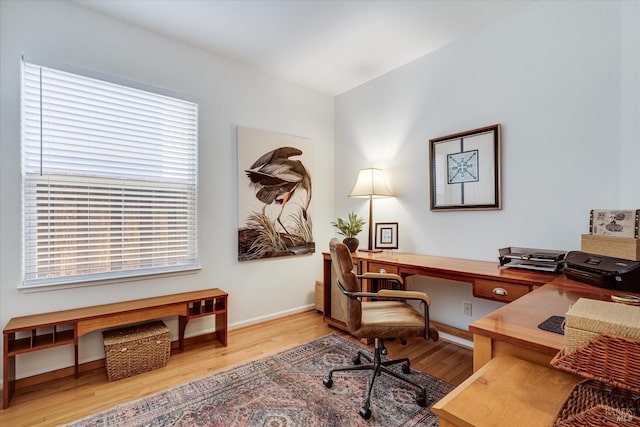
370,223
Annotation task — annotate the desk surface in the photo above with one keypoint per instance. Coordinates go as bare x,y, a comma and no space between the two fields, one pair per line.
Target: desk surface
408,264
517,322
455,268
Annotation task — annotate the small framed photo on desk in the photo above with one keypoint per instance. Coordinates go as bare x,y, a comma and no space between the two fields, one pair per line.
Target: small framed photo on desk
386,235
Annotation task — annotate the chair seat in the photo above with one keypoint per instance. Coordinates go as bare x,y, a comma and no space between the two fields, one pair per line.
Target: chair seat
387,319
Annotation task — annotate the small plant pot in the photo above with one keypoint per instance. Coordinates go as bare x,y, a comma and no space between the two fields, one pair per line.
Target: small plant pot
352,243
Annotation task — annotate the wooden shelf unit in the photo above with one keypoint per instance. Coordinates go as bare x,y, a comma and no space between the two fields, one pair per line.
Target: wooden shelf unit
41,331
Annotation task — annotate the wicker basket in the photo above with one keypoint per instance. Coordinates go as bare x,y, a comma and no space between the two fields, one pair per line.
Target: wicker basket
610,359
135,349
594,404
588,318
611,394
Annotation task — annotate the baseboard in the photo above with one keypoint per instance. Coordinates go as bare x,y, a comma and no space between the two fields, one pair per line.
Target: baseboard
451,339
98,364
448,333
58,373
454,335
452,330
272,316
203,336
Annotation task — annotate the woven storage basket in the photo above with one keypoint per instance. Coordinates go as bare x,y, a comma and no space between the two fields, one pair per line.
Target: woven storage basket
135,349
594,404
588,318
607,358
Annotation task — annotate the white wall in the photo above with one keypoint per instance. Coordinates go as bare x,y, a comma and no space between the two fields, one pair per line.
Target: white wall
551,75
229,95
630,106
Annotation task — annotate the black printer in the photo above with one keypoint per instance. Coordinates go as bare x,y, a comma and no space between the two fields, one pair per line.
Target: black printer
603,271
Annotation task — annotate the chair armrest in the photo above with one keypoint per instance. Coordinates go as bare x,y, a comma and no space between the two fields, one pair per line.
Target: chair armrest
384,276
430,332
358,294
392,293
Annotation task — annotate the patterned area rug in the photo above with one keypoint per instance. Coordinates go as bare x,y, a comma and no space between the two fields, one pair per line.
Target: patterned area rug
283,390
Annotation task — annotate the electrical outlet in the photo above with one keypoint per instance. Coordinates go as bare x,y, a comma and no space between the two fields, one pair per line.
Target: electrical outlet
466,308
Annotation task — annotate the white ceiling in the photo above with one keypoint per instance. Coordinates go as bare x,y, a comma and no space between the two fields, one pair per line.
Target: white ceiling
329,46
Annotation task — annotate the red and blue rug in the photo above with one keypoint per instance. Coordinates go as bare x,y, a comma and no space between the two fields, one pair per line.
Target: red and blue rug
283,390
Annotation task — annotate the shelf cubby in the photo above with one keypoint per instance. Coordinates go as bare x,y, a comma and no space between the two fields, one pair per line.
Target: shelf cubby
40,338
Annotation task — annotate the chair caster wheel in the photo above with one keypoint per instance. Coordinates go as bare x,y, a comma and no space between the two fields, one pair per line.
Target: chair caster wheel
406,369
328,382
421,401
365,412
356,360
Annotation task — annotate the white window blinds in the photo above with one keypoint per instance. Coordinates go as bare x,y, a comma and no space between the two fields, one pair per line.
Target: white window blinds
109,179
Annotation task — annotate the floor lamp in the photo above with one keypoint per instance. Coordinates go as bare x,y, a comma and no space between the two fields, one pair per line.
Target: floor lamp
371,184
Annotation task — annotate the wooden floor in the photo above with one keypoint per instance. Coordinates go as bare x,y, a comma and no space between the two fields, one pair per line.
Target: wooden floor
68,399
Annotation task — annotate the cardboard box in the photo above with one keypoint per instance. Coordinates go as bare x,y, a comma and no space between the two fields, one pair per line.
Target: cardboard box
617,247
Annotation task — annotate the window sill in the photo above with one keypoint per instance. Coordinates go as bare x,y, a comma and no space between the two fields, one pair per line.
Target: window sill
27,289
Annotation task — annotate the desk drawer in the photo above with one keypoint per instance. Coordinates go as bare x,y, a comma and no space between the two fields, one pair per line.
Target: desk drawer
375,267
498,291
378,267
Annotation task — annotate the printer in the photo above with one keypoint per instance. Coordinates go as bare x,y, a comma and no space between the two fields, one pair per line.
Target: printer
603,271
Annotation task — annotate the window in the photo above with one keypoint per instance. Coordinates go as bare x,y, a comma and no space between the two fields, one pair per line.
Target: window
109,179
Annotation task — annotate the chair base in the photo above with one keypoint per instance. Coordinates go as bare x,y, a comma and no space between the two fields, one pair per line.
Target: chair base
378,367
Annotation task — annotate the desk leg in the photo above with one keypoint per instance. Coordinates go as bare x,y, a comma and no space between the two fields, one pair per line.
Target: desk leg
9,372
482,351
9,379
221,328
326,312
182,325
76,370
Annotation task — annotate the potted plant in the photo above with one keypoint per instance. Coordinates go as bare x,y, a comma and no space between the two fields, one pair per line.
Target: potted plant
350,228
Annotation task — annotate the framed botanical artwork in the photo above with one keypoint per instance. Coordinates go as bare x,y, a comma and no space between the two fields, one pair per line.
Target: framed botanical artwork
465,170
386,235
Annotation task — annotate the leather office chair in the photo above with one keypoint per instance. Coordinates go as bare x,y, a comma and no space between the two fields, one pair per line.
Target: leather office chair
388,316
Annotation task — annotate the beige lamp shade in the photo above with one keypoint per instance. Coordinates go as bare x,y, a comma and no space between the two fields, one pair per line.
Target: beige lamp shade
371,183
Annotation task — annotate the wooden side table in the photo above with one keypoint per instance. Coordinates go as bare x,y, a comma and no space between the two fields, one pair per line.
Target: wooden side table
507,392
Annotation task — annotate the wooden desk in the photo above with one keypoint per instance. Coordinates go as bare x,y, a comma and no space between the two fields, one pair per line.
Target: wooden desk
504,391
40,331
485,277
513,329
507,392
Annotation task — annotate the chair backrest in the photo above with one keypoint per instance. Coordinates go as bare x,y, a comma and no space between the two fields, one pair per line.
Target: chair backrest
343,265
